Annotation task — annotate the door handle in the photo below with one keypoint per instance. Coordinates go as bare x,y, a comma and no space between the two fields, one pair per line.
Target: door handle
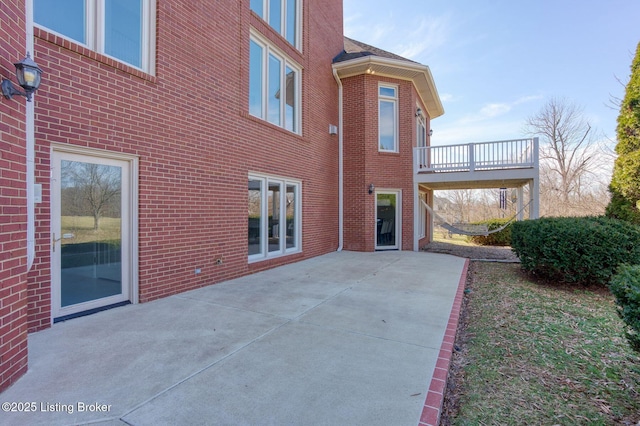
54,240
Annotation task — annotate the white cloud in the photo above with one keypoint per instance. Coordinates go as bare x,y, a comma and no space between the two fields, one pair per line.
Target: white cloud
492,121
447,97
421,36
493,110
455,133
526,99
428,34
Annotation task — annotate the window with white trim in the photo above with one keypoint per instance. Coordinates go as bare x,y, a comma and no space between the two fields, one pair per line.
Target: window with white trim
284,16
421,129
274,86
387,118
274,219
121,29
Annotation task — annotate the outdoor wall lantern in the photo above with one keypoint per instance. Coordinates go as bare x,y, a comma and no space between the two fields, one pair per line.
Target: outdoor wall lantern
419,112
430,132
371,188
28,74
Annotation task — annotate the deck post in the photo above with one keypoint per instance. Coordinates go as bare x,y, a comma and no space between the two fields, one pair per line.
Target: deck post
534,194
520,204
534,186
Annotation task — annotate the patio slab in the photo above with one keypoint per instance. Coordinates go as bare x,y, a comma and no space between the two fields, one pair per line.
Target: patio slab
344,338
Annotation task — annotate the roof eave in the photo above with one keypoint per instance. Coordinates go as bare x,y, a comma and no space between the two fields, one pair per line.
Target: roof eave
419,74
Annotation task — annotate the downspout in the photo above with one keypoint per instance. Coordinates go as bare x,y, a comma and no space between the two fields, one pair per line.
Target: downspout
30,141
340,165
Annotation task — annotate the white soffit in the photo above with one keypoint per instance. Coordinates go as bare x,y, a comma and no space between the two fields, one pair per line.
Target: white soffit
419,74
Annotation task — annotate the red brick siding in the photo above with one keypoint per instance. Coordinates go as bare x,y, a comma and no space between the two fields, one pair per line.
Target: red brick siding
365,165
196,143
13,203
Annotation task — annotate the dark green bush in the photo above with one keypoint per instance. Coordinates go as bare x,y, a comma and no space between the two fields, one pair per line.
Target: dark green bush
502,238
585,250
625,286
622,208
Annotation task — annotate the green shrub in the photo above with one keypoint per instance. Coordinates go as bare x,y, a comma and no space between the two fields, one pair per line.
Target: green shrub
584,250
502,238
622,208
625,286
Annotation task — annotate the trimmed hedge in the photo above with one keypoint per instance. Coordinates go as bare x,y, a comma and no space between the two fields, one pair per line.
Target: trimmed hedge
625,286
585,250
502,238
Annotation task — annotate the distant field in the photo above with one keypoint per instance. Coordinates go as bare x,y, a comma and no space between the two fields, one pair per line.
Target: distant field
442,235
82,229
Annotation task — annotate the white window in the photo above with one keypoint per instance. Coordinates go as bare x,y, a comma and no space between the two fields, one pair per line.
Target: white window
282,15
121,29
421,129
274,86
388,118
274,219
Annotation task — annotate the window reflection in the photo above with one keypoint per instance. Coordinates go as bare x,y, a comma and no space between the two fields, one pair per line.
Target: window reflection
66,17
274,90
255,79
291,216
273,199
255,217
123,30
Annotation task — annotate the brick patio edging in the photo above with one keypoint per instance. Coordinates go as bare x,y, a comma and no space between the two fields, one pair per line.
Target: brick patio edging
435,396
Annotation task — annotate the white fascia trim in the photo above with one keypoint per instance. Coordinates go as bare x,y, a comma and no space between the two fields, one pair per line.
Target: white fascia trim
419,74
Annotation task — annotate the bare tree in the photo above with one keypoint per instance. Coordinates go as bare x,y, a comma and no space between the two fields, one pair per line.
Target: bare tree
460,202
566,150
91,189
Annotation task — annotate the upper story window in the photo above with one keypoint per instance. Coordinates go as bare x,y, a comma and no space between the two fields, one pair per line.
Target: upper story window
421,130
387,118
122,29
282,15
274,86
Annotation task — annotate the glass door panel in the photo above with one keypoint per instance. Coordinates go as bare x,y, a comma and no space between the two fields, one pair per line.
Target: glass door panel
386,220
88,242
273,198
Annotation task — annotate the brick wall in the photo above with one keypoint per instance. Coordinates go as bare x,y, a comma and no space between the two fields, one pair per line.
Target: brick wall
365,165
196,143
13,203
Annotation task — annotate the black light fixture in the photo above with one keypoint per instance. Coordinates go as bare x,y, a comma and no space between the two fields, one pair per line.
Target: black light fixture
371,188
28,74
419,112
430,132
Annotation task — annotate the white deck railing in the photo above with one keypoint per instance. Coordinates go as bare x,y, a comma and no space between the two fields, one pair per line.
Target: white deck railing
512,154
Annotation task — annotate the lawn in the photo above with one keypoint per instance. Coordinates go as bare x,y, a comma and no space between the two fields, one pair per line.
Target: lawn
82,229
543,354
442,235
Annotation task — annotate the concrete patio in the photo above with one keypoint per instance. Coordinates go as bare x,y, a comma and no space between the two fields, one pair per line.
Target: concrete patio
346,338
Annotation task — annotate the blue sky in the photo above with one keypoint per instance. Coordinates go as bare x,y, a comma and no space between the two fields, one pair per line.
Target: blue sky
497,62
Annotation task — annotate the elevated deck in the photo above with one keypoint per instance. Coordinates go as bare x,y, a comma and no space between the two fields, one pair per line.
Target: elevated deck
510,164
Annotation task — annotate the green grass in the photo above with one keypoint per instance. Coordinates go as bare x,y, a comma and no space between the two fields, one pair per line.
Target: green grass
82,229
543,354
443,236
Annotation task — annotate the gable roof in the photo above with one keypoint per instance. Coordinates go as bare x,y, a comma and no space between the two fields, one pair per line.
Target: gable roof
360,58
357,49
